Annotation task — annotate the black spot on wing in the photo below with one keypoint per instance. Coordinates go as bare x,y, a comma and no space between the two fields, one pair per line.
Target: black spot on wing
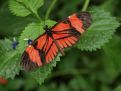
42,54
75,32
66,21
27,64
85,17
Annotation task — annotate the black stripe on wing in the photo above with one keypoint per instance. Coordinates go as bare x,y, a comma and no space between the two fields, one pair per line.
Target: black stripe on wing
27,64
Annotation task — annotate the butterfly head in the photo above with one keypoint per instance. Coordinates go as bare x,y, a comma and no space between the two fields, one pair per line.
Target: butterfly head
29,41
47,30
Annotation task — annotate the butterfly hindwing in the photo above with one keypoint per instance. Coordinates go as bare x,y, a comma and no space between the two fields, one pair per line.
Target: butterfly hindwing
43,50
33,57
28,59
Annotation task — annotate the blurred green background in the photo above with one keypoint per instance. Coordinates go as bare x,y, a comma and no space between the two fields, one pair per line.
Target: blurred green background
84,71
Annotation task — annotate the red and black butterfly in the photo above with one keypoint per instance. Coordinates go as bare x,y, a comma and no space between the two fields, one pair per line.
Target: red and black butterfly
62,35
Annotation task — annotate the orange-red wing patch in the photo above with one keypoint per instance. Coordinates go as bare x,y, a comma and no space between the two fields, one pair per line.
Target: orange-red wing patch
68,41
34,55
61,26
67,32
41,41
43,50
48,47
66,38
76,23
51,50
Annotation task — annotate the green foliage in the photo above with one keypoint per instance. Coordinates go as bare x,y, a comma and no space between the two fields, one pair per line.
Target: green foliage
102,28
33,28
80,83
111,61
67,10
118,88
71,58
25,7
41,74
11,25
32,31
9,65
5,45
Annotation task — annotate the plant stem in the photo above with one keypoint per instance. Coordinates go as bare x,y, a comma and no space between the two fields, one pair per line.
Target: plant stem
50,9
72,72
33,12
37,16
86,4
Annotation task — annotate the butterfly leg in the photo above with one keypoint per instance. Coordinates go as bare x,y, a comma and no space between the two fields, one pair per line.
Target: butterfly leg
59,48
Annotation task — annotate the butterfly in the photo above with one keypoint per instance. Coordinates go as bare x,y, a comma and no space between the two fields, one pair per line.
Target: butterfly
62,35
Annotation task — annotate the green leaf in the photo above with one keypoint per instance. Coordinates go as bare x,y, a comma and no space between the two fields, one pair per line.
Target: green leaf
51,87
63,87
9,64
41,74
80,83
25,7
32,31
105,88
118,88
11,25
66,9
5,46
102,28
109,4
15,85
69,61
111,61
9,59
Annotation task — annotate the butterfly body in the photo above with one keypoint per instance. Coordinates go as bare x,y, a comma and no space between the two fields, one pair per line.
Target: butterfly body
62,35
48,31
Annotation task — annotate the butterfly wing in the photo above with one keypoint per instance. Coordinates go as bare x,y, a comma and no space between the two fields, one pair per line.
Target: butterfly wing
43,50
49,48
31,57
68,31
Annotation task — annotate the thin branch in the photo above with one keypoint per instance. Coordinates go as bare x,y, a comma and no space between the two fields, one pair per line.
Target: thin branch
86,4
72,72
50,9
34,13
